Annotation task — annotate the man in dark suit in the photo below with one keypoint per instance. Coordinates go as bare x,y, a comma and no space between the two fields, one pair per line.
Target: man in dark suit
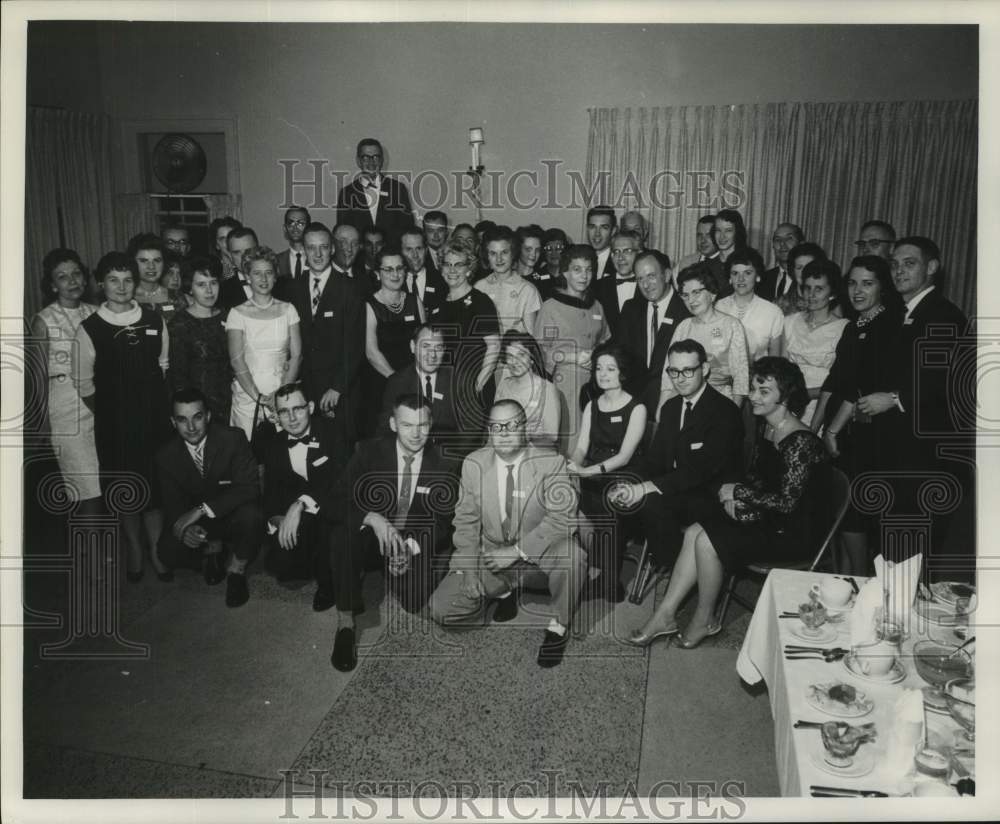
436,234
423,281
373,200
346,261
933,435
697,448
236,290
633,221
601,225
515,517
292,262
332,323
778,281
301,464
614,293
393,506
455,413
656,306
208,483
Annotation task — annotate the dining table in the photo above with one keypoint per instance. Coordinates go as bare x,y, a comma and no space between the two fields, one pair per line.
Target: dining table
763,658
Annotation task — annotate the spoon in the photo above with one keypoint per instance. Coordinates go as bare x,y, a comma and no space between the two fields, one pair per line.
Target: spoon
961,648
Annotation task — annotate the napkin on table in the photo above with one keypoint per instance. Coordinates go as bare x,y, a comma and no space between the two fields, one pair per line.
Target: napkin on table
862,621
900,581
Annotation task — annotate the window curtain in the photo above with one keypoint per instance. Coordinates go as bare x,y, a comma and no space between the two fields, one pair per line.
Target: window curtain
136,214
825,166
224,206
68,190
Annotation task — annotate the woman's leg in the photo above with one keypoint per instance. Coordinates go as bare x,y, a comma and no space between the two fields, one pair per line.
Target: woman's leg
132,537
682,579
152,522
710,575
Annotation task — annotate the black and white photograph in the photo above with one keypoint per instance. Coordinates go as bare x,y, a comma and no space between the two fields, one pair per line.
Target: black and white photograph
550,411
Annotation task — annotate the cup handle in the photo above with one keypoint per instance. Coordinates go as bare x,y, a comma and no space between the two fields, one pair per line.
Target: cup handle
814,589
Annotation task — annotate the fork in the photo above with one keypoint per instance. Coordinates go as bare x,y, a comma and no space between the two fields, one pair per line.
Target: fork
825,650
814,656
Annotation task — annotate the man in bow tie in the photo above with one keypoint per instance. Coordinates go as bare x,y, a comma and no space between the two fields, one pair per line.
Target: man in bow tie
236,290
374,200
300,466
614,292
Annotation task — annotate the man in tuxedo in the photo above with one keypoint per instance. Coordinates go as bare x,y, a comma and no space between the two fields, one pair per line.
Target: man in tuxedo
454,425
635,222
514,522
656,306
436,235
697,448
374,200
876,238
292,262
778,280
345,261
301,464
704,244
425,282
332,323
236,290
393,509
601,224
208,483
614,293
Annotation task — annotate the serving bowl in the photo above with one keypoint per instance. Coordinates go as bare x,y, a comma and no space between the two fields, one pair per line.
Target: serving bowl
939,663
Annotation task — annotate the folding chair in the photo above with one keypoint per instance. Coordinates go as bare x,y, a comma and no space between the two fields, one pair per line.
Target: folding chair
829,493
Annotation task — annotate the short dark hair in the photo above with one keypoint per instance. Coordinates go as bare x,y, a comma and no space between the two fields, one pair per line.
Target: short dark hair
623,358
688,346
800,236
242,231
734,217
528,341
188,394
287,389
316,226
437,216
747,256
426,327
701,272
369,141
291,209
143,241
412,230
555,234
458,226
656,255
49,263
172,259
411,400
212,266
787,375
880,224
824,269
814,250
484,226
174,226
495,235
577,251
389,250
879,267
215,225
928,248
602,211
116,262
706,219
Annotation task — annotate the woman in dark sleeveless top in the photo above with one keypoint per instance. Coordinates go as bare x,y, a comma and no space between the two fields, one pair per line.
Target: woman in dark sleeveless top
611,432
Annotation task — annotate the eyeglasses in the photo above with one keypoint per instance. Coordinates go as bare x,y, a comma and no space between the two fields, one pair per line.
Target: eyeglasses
694,294
455,266
172,243
688,373
393,270
292,411
506,426
871,243
554,247
300,223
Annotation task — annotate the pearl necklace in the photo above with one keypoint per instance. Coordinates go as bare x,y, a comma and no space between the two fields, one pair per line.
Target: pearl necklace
866,318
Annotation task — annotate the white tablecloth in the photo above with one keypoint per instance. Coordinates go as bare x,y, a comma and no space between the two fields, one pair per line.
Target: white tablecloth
762,658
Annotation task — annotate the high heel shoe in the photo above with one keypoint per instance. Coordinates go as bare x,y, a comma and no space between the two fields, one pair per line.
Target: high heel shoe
638,638
683,642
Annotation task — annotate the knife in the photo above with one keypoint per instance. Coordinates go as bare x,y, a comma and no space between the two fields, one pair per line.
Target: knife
834,792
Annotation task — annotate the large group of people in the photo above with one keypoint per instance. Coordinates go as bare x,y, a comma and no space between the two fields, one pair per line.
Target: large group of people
477,409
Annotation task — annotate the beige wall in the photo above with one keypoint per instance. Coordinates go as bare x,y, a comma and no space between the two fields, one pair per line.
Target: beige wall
301,91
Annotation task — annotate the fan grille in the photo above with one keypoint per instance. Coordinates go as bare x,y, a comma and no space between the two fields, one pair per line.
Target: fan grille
179,162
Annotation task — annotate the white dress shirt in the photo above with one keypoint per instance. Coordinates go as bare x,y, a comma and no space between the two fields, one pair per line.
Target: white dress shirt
602,261
911,304
625,291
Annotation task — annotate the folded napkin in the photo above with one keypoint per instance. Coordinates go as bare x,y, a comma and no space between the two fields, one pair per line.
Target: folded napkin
900,582
906,735
867,607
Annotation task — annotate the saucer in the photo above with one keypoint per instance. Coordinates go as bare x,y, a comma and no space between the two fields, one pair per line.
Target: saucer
824,635
833,610
861,705
893,676
864,761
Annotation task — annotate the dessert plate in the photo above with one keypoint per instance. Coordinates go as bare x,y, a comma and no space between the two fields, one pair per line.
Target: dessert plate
818,696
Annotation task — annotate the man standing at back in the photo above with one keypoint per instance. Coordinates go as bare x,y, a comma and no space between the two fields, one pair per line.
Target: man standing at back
601,225
292,262
374,200
778,281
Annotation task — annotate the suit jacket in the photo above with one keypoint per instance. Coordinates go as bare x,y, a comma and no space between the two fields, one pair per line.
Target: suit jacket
393,216
633,334
767,288
606,291
370,483
333,342
446,406
230,478
435,288
232,293
326,457
545,506
708,451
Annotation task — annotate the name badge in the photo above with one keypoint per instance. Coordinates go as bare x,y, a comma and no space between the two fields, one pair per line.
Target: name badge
423,490
438,396
428,288
435,310
467,302
668,320
908,322
322,459
520,493
312,445
698,445
616,419
225,482
328,314
597,317
862,336
157,331
409,317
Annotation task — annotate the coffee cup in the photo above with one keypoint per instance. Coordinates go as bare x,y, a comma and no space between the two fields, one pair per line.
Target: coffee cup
876,659
833,592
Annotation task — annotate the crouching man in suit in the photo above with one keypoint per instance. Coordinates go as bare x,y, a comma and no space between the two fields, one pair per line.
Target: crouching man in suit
208,481
301,464
696,449
514,518
393,508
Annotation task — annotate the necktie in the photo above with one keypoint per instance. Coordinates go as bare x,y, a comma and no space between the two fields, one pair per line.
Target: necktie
315,296
687,413
428,389
403,504
298,264
410,282
509,501
780,289
199,458
653,328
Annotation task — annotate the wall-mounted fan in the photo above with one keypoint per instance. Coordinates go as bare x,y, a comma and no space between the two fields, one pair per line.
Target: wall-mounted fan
179,163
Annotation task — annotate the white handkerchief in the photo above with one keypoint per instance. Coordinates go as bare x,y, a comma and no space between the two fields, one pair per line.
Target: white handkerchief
900,580
868,603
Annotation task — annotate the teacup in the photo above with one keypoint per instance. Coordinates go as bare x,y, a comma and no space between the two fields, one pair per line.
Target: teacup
876,659
834,592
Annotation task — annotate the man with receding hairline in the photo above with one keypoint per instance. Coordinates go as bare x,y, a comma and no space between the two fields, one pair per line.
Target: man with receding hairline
372,199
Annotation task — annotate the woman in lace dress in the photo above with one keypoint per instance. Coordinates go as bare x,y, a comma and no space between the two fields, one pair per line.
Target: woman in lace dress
765,515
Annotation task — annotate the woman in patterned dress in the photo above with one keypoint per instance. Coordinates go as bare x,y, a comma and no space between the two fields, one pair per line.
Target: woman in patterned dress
516,299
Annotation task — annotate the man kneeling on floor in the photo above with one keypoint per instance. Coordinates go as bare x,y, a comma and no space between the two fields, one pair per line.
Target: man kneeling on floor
513,521
208,481
393,508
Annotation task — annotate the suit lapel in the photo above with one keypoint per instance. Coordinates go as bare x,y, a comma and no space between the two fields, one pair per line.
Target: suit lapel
491,499
211,453
523,491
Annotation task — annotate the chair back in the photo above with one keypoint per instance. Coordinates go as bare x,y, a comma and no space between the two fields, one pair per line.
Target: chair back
827,497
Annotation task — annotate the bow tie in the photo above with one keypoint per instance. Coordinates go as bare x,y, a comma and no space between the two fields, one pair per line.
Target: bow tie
620,281
292,440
